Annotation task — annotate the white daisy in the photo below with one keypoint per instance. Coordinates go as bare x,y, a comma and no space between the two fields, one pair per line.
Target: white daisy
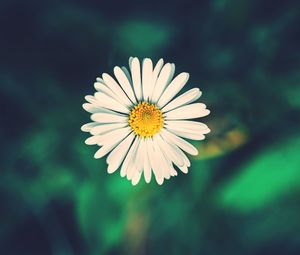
140,124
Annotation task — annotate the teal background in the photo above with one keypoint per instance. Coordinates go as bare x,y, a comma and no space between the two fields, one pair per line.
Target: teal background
242,193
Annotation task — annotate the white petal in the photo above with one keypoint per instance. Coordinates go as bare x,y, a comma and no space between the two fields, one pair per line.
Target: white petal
93,108
116,157
159,180
124,82
162,159
90,99
184,157
155,74
175,86
136,163
136,78
181,143
173,172
147,167
186,98
130,61
180,155
190,111
162,81
110,103
136,178
111,140
87,127
187,126
172,73
188,135
184,169
101,87
107,137
154,161
128,157
147,78
158,67
115,87
99,79
170,151
110,117
102,129
92,140
133,162
125,70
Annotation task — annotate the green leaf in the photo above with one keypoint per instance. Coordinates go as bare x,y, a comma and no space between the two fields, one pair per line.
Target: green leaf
270,176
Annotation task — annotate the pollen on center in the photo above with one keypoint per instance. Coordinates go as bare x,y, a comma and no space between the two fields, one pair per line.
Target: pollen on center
145,119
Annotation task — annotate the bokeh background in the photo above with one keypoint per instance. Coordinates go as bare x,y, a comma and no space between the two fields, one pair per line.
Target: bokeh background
242,193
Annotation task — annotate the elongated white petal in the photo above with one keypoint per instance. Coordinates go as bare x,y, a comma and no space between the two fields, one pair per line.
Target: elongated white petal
102,129
137,162
116,157
179,155
186,98
169,150
99,79
115,87
184,169
125,70
154,160
159,180
136,78
158,67
108,136
101,87
147,167
185,158
162,159
147,78
174,172
109,103
111,140
124,82
93,108
175,86
162,82
156,72
136,178
130,61
188,135
110,117
181,143
172,73
92,140
128,157
132,165
187,126
90,99
190,111
87,127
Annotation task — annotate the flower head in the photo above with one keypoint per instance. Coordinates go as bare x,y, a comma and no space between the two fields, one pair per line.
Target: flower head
139,120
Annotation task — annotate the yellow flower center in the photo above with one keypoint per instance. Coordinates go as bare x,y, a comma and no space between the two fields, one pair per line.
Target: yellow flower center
145,119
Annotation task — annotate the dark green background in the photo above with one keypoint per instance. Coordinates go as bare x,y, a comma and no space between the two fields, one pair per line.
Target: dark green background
242,193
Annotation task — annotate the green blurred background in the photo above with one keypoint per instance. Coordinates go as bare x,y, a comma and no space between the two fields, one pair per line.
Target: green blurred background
242,193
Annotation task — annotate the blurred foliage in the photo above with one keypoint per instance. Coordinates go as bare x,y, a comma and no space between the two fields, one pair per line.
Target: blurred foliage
241,195
273,174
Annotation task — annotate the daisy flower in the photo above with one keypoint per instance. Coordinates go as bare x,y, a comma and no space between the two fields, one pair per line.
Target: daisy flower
141,123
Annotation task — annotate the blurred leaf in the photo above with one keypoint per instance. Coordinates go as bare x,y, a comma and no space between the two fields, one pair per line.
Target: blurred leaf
270,176
101,220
